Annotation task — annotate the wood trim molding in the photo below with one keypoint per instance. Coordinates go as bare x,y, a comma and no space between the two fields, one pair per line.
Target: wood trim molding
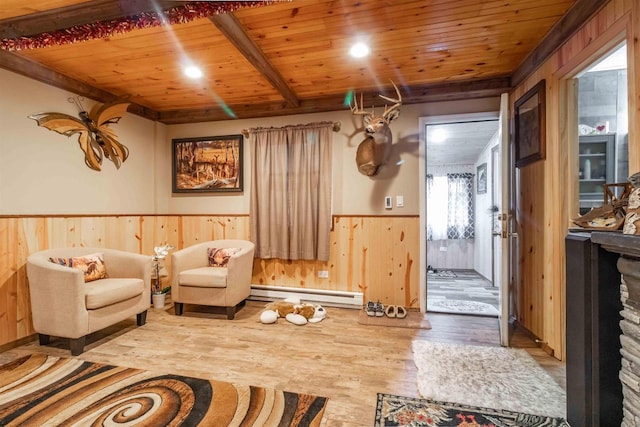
373,216
452,91
17,343
617,33
580,13
114,215
187,215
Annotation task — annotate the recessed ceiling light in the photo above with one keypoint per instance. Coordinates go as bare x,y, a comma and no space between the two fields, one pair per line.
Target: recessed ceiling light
359,50
193,72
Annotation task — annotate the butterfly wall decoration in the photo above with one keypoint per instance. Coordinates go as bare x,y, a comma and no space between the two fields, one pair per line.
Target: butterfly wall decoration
96,139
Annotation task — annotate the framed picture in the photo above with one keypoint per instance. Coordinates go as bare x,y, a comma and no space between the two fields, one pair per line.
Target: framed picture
482,179
530,126
207,164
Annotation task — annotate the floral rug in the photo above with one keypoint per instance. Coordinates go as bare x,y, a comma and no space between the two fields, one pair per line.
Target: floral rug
394,410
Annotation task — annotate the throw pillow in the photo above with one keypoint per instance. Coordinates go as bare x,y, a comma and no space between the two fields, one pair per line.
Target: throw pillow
219,257
92,266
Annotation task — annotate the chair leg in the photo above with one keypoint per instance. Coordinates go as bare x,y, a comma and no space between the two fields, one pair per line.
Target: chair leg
231,312
177,308
141,318
77,346
44,339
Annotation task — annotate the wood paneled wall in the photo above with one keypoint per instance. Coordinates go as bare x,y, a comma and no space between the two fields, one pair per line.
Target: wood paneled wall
543,203
378,256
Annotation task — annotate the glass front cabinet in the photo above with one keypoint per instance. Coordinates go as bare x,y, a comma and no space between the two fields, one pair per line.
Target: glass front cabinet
596,168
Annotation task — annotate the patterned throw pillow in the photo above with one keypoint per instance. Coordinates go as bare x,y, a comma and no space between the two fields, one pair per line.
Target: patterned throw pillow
219,257
92,266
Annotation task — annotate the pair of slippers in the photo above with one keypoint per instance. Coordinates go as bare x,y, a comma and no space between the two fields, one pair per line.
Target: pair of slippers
397,311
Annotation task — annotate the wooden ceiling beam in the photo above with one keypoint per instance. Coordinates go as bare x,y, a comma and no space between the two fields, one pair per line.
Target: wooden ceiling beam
452,91
79,14
33,70
576,16
233,30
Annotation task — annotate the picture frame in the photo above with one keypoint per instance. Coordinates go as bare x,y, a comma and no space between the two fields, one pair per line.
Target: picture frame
530,125
481,186
209,164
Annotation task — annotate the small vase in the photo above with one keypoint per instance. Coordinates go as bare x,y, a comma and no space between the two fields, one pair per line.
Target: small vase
158,300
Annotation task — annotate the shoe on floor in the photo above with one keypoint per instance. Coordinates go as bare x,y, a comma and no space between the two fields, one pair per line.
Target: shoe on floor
370,309
401,312
379,309
391,311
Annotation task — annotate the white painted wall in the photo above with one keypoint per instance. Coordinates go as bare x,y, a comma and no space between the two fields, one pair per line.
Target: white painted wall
42,172
483,254
458,254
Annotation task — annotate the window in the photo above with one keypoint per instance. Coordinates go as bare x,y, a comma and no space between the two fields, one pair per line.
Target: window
450,206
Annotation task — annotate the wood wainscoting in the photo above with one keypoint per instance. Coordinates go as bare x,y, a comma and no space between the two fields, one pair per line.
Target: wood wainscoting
376,255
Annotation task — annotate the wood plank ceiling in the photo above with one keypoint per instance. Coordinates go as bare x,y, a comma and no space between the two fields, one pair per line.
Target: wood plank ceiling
292,57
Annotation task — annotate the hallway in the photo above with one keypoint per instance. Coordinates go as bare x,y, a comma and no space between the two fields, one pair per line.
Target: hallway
461,292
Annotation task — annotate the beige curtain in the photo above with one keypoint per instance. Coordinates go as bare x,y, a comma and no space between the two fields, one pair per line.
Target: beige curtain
291,183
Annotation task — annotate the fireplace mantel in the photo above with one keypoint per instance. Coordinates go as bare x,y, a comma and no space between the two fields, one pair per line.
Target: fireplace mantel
623,244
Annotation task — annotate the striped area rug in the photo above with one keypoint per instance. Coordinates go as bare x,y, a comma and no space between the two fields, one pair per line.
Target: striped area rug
40,390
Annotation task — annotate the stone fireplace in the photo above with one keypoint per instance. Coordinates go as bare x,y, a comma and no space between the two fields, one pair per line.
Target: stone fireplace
627,247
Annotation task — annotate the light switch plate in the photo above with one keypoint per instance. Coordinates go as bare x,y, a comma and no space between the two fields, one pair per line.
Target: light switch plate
388,204
399,201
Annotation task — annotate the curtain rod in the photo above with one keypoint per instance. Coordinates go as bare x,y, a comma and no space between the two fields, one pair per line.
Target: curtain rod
336,128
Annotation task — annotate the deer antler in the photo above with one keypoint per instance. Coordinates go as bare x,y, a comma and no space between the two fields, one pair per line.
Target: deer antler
397,102
360,111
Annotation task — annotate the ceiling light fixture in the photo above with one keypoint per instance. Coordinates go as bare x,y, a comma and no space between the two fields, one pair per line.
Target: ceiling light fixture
193,72
438,135
359,50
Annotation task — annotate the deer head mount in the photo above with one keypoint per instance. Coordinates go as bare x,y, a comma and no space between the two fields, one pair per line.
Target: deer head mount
374,150
95,138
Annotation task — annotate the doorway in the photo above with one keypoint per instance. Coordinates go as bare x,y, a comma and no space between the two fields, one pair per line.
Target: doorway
603,128
461,214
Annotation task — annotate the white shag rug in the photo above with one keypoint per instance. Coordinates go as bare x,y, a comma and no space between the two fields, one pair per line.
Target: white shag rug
461,307
490,377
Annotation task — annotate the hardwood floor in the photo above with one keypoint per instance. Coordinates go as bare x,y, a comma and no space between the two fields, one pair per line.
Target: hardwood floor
337,358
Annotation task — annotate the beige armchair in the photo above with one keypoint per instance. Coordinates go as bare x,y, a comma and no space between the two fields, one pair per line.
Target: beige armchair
193,281
63,305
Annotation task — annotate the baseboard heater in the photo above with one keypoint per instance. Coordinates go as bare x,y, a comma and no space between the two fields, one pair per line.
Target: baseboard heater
318,296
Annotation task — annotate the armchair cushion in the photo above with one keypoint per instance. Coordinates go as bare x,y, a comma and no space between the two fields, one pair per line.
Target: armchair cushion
219,257
204,277
101,293
92,266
